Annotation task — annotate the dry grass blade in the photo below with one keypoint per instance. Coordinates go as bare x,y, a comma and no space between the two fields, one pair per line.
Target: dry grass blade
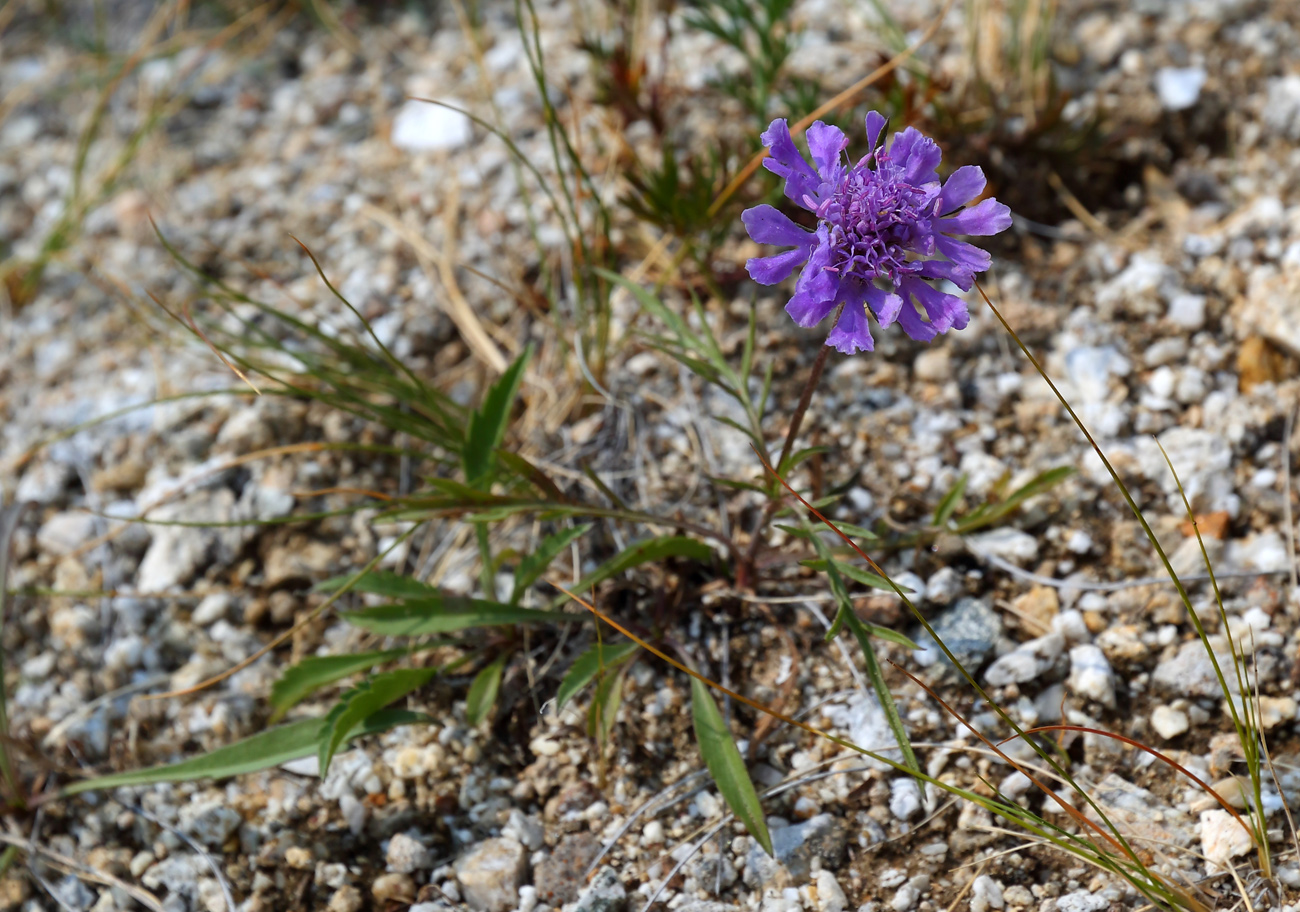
442,264
140,895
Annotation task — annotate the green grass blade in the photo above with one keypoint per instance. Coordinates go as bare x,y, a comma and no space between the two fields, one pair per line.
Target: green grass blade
601,656
532,567
363,701
487,426
261,751
948,505
725,764
857,574
604,707
446,614
483,692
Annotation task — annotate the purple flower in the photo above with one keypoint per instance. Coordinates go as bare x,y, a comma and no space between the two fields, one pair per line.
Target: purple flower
882,233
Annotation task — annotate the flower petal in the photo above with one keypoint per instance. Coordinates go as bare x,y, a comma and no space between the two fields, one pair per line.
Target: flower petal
815,292
884,304
962,186
945,311
968,256
769,225
771,270
917,154
913,325
851,332
826,143
985,218
949,271
800,179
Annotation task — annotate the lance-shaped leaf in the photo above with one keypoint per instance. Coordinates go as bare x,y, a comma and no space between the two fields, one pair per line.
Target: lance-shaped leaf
644,552
382,582
308,675
362,701
446,614
260,751
726,765
483,692
601,656
487,426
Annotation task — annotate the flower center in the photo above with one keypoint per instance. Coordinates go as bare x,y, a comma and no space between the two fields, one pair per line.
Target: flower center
876,219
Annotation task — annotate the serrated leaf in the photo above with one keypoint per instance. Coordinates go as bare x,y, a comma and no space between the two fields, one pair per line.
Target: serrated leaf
445,614
534,565
483,691
487,426
258,752
381,582
588,665
362,701
951,500
643,552
314,672
726,765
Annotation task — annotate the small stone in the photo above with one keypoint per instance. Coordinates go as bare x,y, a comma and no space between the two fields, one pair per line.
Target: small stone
830,895
346,899
1036,609
395,888
1009,544
558,878
1179,88
905,899
606,894
652,833
904,798
970,629
299,858
1091,675
1017,896
63,533
934,365
211,822
1168,722
1187,311
944,586
986,894
822,838
491,873
421,126
1081,901
214,607
1027,661
1222,838
407,855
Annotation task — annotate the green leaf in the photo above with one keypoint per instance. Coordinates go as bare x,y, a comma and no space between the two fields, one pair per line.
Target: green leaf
312,673
848,618
643,552
445,614
363,701
865,577
487,426
948,505
534,565
725,764
603,712
988,514
261,751
382,582
601,656
849,529
535,476
483,692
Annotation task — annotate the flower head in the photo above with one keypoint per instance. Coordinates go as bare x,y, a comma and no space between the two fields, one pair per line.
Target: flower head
884,228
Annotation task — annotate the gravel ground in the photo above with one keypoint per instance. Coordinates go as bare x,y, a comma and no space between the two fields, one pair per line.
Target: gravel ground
1161,293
